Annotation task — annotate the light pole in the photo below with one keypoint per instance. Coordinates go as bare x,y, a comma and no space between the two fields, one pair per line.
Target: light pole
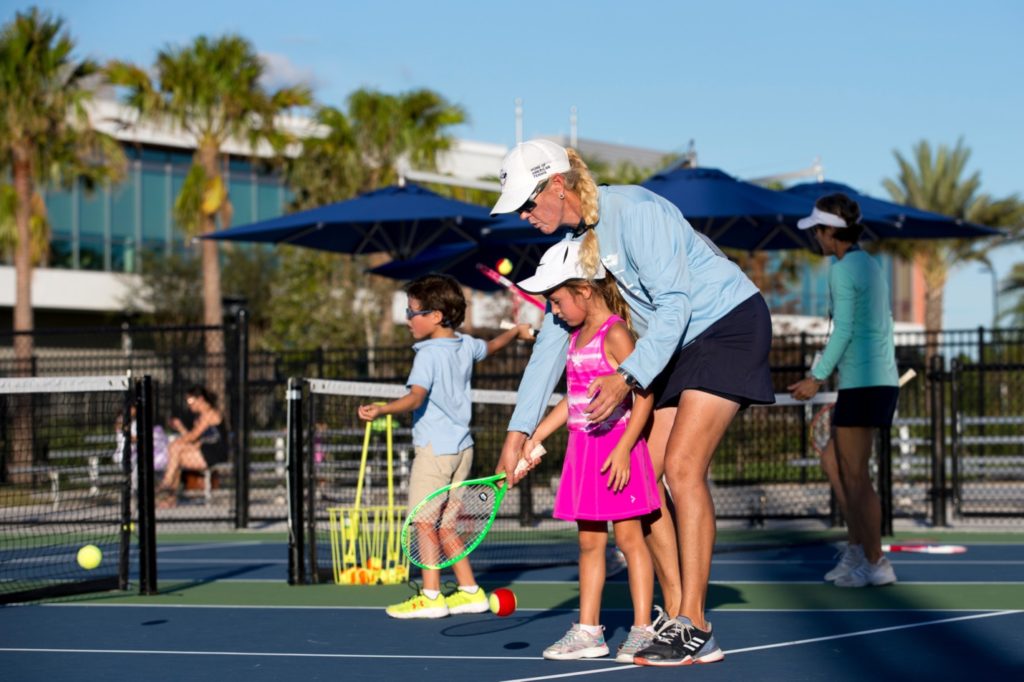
995,293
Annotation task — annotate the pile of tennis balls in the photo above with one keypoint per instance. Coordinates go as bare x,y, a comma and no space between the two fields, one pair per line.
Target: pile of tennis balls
373,573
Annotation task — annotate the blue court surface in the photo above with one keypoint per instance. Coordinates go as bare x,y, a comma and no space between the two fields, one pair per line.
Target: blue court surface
225,612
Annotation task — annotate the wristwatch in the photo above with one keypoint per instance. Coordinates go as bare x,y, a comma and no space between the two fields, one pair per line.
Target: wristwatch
630,380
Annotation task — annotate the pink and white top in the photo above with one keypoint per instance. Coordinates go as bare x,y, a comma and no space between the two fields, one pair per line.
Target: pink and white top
581,367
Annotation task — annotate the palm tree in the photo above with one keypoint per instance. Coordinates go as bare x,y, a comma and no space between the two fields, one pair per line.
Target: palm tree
211,91
45,136
936,182
359,151
1014,284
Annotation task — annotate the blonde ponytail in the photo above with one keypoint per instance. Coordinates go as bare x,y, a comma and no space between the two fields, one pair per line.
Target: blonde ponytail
579,180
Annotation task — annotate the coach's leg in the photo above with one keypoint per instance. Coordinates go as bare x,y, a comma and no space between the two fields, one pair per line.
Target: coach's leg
864,511
700,423
660,528
831,469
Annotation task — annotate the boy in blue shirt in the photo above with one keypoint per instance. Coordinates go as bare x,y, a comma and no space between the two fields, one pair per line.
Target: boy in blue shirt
441,406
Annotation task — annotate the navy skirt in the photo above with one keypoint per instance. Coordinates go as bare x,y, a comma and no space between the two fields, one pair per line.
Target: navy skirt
866,406
728,359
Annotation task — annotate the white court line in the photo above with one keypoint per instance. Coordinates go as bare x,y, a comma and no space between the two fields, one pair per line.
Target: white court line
160,549
239,562
795,642
280,654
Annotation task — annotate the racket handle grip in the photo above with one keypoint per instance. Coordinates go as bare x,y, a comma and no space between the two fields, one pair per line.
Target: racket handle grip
508,324
533,457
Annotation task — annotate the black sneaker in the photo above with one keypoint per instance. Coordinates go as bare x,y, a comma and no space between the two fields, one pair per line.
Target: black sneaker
680,642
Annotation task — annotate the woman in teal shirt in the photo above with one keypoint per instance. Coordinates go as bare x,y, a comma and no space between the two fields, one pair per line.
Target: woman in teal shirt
861,349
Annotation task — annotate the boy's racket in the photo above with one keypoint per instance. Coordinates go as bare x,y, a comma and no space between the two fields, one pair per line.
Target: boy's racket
450,523
821,424
504,281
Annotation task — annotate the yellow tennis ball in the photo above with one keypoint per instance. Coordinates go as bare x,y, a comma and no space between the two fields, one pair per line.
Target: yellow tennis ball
89,557
504,266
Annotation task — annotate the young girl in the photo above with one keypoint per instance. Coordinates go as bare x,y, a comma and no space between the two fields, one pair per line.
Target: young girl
607,474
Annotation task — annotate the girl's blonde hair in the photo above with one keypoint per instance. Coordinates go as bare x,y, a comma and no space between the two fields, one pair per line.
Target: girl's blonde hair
579,180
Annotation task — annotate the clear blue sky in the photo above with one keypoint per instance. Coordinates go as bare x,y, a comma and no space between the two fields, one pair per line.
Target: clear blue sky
762,87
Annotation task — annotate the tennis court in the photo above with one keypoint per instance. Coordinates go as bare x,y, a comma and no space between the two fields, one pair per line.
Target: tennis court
224,611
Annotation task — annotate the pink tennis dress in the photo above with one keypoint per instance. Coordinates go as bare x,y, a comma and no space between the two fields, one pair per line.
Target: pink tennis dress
583,492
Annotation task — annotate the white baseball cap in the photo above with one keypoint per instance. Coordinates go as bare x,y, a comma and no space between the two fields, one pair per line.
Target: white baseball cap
525,167
819,217
557,266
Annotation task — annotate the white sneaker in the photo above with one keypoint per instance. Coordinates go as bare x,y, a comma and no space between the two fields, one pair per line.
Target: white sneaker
577,643
866,573
851,557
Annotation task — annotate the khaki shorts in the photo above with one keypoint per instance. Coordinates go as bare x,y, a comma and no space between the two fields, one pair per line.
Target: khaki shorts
430,472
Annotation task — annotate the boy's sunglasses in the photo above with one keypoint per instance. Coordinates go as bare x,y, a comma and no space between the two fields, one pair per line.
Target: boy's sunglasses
410,313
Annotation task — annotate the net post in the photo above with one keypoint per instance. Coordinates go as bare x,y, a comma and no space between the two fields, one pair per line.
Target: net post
885,477
296,496
936,377
241,425
146,485
126,487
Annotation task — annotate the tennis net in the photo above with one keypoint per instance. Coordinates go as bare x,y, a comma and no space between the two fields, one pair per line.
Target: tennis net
61,485
765,468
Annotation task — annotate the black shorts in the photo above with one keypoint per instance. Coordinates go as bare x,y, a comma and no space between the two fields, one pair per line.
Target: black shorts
867,406
728,359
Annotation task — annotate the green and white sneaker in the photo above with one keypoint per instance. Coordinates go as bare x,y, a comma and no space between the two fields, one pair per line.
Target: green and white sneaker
419,606
461,601
637,639
576,644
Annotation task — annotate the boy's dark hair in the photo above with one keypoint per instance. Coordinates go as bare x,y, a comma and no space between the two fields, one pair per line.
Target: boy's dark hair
846,208
441,293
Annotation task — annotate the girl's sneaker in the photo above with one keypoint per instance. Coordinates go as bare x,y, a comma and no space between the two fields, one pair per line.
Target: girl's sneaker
637,639
577,643
850,558
865,574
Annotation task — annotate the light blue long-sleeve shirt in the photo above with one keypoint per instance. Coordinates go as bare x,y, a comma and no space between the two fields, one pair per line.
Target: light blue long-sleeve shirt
861,344
675,281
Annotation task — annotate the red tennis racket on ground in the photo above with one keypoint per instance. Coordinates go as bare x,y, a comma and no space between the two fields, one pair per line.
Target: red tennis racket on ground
925,548
504,281
821,424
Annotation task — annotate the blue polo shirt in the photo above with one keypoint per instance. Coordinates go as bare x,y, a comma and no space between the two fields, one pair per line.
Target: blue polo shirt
444,367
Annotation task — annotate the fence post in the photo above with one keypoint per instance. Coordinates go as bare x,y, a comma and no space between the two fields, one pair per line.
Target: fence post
936,376
242,477
145,420
296,521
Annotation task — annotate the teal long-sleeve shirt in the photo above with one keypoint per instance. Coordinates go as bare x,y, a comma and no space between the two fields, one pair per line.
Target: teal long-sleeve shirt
861,346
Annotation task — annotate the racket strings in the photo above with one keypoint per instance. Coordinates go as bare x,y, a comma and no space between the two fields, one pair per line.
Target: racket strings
446,527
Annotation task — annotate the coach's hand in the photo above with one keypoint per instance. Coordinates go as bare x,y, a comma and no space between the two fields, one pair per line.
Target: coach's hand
805,389
510,456
605,393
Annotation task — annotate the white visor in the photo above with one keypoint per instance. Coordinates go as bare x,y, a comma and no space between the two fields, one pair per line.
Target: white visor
558,265
819,217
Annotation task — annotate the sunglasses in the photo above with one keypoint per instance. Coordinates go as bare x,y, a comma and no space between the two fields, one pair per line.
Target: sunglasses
531,202
410,313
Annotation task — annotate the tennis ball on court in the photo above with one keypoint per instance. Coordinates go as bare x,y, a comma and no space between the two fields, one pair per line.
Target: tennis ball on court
504,266
89,557
502,602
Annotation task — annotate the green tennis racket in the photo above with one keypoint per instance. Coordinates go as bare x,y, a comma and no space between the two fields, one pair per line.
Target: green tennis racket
450,523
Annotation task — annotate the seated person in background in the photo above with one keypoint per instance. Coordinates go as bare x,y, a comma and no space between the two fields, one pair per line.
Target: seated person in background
160,444
198,448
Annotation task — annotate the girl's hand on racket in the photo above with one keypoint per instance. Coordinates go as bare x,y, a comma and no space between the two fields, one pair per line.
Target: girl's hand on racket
509,457
605,393
617,466
369,412
805,389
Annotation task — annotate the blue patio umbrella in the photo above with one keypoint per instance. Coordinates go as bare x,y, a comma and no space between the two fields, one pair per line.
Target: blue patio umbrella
732,212
889,220
399,220
459,260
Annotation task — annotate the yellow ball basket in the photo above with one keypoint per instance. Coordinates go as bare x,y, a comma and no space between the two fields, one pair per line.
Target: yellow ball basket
366,541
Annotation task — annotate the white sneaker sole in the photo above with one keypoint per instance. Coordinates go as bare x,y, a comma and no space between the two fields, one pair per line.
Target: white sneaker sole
426,614
592,652
479,607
